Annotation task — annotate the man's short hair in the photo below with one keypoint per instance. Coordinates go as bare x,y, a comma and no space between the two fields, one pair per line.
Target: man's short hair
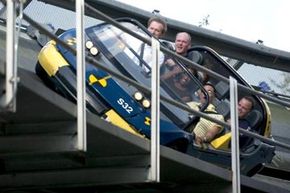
158,20
185,33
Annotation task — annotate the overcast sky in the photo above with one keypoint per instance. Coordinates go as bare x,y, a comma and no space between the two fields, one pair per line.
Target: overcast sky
251,20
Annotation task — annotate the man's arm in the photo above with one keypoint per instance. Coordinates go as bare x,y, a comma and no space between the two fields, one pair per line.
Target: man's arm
171,73
210,135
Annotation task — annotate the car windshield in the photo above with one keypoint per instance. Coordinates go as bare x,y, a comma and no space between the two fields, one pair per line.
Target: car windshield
125,55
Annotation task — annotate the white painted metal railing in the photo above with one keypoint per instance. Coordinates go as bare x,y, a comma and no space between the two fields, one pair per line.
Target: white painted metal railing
81,86
236,184
8,101
155,113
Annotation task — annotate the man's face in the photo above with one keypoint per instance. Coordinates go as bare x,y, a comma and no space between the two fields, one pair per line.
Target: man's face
182,44
244,107
156,29
210,91
184,79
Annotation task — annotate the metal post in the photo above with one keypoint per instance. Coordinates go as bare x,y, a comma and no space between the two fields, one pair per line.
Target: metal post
7,99
155,115
235,137
81,86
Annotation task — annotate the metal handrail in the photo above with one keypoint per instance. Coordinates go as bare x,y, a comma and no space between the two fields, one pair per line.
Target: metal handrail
81,86
155,112
148,91
235,147
8,101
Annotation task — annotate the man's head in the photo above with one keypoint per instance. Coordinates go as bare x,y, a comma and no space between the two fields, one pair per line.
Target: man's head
245,105
210,91
183,79
182,43
157,27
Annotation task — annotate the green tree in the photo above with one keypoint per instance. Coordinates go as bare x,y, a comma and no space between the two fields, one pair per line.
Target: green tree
204,22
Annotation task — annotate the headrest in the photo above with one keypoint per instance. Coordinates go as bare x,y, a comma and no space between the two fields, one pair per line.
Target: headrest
196,57
222,90
167,45
254,117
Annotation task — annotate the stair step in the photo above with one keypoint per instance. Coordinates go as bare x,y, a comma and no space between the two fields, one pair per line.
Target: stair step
57,128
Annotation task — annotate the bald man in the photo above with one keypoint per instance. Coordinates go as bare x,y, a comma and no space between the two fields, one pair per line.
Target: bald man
182,43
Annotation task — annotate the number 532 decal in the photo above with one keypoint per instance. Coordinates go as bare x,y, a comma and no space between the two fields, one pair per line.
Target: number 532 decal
125,105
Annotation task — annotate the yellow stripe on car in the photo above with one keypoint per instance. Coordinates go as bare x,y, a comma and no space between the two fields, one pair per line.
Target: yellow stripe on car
50,59
268,129
71,41
102,81
147,121
222,142
115,119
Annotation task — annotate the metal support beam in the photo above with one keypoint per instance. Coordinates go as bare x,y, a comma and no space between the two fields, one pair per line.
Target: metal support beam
155,115
81,86
235,137
8,100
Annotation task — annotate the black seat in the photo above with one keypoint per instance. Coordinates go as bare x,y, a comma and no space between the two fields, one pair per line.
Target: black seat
196,57
222,90
167,45
223,108
255,119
